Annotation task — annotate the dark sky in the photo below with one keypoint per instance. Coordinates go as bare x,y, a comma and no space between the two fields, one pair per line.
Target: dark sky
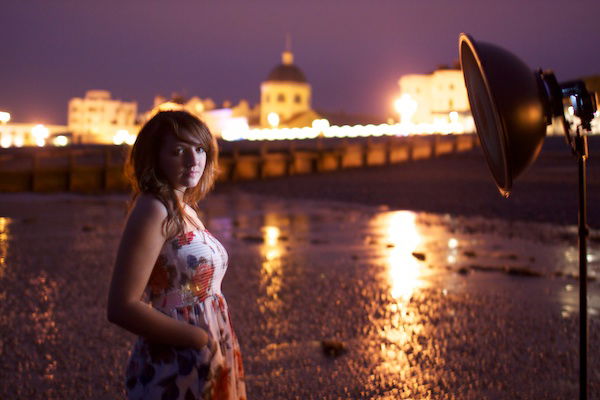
351,51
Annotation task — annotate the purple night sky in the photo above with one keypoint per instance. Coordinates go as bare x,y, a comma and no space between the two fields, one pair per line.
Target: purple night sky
352,52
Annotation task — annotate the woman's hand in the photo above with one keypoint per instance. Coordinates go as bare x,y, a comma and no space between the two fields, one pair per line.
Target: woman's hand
207,340
213,346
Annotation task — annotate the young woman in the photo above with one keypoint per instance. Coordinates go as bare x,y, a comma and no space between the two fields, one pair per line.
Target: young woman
187,348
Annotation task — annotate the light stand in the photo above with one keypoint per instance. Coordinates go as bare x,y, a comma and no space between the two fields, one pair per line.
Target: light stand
511,107
583,107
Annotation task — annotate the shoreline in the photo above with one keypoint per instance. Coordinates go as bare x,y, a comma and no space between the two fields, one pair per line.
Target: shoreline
457,184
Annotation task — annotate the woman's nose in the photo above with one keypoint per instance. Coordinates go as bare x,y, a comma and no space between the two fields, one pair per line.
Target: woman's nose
191,158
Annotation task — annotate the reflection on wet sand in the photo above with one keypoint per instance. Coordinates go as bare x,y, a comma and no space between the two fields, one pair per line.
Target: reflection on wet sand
271,272
403,268
4,236
401,324
43,291
276,228
452,251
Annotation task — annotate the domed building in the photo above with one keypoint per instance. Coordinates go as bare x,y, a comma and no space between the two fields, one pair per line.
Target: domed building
285,96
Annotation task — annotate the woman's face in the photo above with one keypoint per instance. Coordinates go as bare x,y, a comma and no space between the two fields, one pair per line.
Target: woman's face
182,162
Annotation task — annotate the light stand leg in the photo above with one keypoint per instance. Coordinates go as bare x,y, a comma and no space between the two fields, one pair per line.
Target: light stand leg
581,149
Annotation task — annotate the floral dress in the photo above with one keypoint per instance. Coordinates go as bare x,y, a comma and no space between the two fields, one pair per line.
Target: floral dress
185,284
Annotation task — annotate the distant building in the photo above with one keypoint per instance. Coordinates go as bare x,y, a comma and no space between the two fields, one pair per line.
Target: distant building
436,94
195,105
97,118
217,119
285,97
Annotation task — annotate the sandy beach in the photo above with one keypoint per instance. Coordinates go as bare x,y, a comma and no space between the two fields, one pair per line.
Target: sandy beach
413,281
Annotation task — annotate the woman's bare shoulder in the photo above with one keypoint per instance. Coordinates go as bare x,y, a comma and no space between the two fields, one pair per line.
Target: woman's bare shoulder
148,207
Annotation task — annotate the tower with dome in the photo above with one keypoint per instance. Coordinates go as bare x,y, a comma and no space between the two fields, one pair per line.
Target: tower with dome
285,96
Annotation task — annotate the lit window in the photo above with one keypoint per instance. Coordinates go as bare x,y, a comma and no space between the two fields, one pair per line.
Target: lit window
451,86
267,98
297,99
451,104
281,98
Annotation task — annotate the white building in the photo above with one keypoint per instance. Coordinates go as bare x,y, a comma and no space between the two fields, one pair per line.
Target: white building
195,106
285,97
437,95
97,118
217,119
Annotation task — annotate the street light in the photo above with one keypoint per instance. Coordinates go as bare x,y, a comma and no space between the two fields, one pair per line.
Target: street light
123,136
406,107
273,119
5,139
321,125
40,134
4,117
60,141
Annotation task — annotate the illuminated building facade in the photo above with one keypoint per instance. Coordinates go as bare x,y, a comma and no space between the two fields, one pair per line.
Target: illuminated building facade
436,95
97,118
195,106
217,119
285,97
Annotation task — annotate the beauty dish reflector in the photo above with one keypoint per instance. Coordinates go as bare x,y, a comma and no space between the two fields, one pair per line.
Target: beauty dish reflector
508,102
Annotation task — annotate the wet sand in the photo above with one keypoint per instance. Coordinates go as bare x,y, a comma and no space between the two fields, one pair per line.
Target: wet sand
453,304
458,184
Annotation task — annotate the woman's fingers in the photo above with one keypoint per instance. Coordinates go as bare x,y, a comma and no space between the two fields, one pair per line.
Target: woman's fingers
213,346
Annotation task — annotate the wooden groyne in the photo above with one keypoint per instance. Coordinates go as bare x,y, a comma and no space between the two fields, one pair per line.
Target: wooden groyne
99,168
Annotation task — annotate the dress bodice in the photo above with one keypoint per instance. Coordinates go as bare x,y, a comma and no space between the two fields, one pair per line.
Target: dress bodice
188,270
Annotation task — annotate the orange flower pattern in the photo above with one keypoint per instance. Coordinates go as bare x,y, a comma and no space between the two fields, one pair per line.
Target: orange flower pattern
201,281
161,278
185,284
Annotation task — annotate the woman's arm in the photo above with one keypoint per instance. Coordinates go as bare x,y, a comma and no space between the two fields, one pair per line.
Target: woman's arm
140,246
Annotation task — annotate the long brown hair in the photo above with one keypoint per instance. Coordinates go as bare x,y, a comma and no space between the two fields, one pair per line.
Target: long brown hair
146,177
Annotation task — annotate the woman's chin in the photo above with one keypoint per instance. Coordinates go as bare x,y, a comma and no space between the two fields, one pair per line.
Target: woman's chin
189,183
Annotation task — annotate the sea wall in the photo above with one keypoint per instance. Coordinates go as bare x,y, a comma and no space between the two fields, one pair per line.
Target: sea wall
99,168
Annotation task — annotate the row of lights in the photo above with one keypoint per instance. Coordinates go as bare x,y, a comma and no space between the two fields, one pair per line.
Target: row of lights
40,135
406,107
39,132
322,128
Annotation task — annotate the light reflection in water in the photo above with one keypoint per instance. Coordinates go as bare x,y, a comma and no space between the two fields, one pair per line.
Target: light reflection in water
271,274
404,269
452,251
44,291
401,325
4,236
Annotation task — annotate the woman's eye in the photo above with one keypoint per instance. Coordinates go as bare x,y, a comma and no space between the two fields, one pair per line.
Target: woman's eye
178,151
199,150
